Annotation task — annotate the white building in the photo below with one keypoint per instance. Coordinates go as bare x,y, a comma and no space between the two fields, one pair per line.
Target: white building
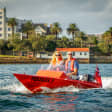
79,53
17,28
42,29
5,29
3,23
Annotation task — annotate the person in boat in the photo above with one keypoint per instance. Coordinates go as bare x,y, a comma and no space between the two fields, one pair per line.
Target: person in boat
71,67
57,62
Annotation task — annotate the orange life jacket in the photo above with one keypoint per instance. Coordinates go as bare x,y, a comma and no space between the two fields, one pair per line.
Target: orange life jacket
71,66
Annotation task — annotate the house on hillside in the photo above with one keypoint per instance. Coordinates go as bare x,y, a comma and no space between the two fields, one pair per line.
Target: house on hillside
42,29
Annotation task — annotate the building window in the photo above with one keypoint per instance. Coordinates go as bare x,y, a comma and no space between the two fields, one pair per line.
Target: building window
85,53
0,17
73,53
9,29
80,53
0,22
0,29
64,53
0,35
9,35
0,12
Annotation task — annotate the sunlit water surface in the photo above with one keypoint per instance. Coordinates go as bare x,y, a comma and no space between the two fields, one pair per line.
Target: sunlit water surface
14,97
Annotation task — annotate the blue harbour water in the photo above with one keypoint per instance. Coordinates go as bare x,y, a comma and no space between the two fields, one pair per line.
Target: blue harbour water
14,97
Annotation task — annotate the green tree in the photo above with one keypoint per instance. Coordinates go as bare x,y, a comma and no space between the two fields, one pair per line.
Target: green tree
83,36
15,43
73,29
1,45
51,46
50,37
18,44
103,47
107,36
83,39
27,27
56,29
65,42
12,22
10,45
40,44
78,42
95,41
110,32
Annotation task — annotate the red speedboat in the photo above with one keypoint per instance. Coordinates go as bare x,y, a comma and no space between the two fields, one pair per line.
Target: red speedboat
55,79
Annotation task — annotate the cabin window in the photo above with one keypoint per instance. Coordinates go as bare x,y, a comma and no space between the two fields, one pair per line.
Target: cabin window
0,17
0,29
0,22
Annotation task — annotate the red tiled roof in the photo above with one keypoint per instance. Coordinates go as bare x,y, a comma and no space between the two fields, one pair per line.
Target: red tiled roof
73,49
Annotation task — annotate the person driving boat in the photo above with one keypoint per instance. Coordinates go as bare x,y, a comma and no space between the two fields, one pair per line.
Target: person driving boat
71,66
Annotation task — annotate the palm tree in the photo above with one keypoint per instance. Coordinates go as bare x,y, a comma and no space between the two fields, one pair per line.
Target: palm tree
56,29
107,36
12,22
110,32
83,37
65,42
27,27
72,29
2,44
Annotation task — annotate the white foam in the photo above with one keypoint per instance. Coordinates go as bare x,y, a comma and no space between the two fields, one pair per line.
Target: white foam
107,82
15,88
63,89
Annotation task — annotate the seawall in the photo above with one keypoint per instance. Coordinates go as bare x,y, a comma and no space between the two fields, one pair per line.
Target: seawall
26,60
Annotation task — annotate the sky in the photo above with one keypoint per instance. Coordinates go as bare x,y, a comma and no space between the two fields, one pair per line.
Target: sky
91,16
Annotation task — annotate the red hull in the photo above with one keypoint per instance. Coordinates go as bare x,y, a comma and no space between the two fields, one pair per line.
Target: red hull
34,83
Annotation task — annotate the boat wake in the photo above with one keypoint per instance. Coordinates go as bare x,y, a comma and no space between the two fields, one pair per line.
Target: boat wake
63,89
107,82
15,88
19,88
